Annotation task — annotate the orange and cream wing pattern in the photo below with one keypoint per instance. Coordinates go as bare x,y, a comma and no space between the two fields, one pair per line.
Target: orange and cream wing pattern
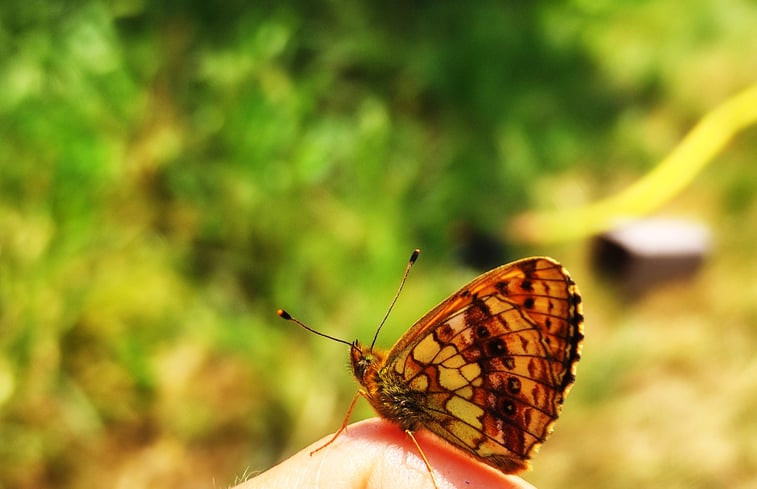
495,361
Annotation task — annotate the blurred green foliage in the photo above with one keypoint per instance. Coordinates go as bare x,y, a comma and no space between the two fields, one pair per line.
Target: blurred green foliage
172,173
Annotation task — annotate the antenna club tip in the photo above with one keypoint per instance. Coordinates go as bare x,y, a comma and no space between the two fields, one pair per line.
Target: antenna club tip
415,254
283,314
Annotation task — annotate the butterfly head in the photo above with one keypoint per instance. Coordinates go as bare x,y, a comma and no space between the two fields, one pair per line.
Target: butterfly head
364,361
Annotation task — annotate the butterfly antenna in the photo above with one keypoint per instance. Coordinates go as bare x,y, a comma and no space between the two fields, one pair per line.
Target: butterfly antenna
410,263
285,315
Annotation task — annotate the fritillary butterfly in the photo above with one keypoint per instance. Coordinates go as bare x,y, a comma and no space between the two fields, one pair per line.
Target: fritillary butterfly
488,369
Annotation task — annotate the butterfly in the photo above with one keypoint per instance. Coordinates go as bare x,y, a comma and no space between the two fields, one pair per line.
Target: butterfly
487,369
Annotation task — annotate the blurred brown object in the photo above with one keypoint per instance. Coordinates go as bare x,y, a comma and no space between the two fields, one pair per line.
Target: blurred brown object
640,255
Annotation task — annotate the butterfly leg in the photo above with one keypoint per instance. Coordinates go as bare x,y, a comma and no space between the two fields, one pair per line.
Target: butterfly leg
344,425
423,456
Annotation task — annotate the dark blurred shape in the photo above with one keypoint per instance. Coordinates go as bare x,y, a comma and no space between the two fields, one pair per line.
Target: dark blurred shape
641,255
476,248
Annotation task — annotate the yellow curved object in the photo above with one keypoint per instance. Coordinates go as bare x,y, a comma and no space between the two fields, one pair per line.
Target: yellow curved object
655,188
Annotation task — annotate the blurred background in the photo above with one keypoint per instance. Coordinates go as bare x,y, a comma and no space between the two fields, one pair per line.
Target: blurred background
170,174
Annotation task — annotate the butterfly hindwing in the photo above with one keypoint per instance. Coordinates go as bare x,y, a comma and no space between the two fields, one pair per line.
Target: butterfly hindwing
494,361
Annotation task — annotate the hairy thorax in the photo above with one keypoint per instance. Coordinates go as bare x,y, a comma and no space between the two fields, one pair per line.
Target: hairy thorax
387,392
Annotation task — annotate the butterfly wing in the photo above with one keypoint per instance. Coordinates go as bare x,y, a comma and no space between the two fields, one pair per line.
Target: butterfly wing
496,359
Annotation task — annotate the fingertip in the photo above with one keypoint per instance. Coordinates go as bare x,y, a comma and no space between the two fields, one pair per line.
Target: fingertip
377,454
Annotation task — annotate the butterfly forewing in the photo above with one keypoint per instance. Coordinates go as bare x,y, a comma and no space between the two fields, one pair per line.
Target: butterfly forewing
493,363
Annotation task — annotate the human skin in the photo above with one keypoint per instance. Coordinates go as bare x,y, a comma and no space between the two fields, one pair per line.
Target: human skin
376,454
